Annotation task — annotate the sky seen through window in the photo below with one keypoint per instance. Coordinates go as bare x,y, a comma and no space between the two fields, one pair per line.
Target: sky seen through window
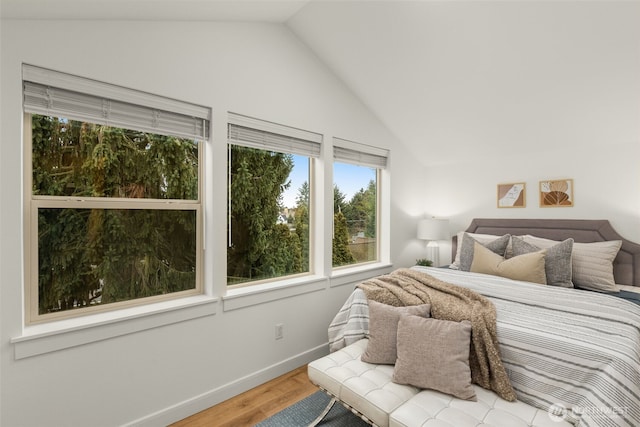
350,179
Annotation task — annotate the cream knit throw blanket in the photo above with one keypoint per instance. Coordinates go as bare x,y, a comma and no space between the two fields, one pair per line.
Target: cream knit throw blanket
450,302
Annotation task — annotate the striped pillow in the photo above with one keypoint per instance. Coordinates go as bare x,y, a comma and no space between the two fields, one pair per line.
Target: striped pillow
591,264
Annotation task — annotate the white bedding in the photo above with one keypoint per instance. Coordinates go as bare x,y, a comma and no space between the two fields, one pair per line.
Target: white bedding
561,347
628,288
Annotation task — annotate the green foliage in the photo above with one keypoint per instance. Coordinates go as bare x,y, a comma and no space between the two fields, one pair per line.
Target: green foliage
260,247
301,224
341,255
424,262
338,199
371,198
360,215
361,211
302,198
284,256
89,256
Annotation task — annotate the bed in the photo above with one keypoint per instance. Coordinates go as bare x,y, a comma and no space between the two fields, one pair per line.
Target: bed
626,265
572,351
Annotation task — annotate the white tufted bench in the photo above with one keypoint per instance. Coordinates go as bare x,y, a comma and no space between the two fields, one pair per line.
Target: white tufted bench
367,389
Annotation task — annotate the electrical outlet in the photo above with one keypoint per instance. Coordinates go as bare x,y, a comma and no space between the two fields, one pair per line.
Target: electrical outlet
279,331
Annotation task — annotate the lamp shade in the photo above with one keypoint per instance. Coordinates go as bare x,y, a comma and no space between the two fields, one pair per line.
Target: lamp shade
433,229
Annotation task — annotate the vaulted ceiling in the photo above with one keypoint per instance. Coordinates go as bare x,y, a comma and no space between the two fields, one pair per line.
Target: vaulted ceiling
146,10
448,78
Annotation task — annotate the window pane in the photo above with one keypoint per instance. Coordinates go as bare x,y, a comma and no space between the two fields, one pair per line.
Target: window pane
100,256
72,158
355,228
268,215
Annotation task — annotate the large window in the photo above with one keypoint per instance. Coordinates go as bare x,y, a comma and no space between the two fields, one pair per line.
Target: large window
269,187
356,201
114,195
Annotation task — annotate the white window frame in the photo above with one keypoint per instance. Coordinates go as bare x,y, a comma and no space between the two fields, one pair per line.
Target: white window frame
122,107
271,136
358,154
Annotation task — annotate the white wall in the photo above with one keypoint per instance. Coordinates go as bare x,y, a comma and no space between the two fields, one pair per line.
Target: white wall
524,92
606,186
164,373
489,92
263,71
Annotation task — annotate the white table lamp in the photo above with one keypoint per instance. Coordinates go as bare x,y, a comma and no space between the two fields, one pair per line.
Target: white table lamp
432,230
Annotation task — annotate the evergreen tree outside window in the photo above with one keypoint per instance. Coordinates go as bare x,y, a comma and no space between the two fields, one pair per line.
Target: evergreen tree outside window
356,201
268,236
115,207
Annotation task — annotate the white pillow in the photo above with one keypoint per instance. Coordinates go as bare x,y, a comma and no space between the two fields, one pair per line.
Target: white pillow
591,263
480,238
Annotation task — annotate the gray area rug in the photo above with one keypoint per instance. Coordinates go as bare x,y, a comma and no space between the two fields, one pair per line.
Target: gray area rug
302,413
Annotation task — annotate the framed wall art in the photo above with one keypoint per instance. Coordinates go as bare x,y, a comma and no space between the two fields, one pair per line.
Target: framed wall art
556,193
512,195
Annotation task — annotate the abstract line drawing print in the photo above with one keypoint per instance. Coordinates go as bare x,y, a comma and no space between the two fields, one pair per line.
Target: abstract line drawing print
512,195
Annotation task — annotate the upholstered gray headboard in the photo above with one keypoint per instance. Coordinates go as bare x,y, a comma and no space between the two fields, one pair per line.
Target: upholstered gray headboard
626,266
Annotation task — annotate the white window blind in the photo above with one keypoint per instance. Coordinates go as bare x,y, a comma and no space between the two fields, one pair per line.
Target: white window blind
52,93
359,154
255,133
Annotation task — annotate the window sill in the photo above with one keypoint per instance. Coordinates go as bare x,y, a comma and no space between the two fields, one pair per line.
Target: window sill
62,334
349,275
266,292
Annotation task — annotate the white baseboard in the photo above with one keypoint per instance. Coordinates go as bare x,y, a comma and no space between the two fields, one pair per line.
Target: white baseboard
206,400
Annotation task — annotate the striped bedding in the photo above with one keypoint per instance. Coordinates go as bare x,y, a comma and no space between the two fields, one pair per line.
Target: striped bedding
577,352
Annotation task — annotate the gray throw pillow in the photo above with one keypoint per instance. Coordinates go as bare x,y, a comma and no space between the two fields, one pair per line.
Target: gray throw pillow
498,246
557,263
434,354
383,330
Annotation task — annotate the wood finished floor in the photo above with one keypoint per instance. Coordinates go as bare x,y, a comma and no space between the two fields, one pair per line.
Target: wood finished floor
256,404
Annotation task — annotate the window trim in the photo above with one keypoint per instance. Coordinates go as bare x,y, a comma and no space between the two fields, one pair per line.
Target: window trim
272,290
355,153
48,337
53,93
33,202
302,142
275,128
378,259
362,155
